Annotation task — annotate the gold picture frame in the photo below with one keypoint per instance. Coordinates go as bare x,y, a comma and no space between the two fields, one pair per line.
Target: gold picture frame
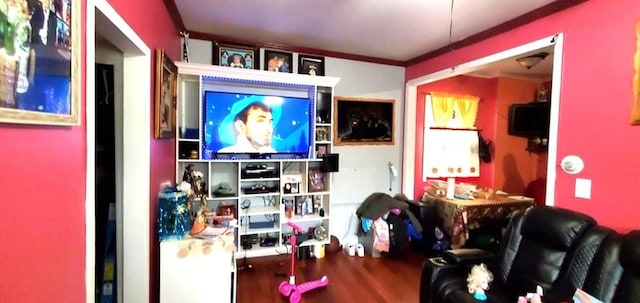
363,121
41,77
165,102
635,110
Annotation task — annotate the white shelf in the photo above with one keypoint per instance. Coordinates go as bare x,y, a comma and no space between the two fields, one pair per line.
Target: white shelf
245,230
312,242
191,89
259,210
260,195
214,198
260,179
306,218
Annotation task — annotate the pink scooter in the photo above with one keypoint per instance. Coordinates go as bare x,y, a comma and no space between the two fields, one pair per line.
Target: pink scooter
289,288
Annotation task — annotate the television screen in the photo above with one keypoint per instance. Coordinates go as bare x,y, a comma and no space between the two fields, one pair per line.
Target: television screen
247,124
529,120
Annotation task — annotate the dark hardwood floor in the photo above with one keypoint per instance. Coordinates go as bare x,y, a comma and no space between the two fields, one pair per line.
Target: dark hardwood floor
351,279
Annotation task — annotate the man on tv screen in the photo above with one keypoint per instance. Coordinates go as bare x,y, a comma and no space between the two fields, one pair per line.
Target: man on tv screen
254,128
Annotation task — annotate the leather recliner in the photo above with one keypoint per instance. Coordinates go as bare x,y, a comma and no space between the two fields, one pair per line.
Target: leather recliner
557,249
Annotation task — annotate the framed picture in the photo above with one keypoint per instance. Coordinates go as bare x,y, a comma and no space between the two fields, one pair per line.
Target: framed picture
363,121
311,65
635,110
40,76
316,180
235,55
165,107
275,61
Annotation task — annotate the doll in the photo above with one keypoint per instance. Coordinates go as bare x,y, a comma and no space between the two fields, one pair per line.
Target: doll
478,281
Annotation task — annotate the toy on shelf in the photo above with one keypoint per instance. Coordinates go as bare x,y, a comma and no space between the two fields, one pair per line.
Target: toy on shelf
478,281
289,288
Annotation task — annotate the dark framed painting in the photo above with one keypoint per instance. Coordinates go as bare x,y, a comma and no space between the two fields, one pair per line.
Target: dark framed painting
236,55
275,61
165,103
311,65
363,121
40,75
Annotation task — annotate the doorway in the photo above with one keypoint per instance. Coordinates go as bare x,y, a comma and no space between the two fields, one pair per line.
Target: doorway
132,129
411,92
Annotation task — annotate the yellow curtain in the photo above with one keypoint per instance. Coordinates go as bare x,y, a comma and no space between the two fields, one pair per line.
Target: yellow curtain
442,105
464,106
467,108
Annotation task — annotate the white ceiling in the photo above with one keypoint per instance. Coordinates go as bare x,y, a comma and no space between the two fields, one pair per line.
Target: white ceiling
393,30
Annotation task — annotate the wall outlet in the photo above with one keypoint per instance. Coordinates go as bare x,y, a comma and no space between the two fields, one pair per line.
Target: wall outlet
583,188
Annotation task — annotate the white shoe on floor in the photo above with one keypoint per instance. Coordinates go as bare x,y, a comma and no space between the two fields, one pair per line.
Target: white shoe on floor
352,249
360,250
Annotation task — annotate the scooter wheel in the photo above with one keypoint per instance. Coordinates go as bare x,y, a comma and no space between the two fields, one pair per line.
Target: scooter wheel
285,288
295,297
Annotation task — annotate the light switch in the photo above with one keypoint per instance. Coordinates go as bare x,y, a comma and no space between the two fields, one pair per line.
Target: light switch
583,188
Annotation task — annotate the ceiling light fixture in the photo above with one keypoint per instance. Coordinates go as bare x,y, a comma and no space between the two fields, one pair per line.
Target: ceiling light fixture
532,60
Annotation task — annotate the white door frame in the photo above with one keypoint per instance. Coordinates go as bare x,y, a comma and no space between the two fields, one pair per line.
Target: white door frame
133,154
411,95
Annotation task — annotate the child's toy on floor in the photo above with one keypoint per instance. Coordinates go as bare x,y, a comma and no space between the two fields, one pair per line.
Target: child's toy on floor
289,288
478,281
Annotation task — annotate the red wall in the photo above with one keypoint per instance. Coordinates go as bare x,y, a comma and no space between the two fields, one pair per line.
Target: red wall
486,89
43,170
595,101
42,221
151,21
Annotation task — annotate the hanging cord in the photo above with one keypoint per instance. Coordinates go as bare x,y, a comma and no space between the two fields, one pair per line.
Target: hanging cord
451,25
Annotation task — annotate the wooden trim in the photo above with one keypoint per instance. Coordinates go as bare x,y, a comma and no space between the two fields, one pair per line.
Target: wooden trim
541,12
172,9
295,49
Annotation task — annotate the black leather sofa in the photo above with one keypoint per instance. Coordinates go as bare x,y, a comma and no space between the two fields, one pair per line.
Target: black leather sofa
558,249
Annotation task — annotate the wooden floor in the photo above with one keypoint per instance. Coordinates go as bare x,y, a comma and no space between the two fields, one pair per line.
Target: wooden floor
351,279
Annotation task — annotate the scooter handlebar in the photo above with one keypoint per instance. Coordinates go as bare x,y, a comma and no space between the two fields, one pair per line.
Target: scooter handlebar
295,227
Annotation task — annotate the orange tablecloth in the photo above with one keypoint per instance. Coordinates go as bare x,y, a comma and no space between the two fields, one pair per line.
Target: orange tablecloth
459,216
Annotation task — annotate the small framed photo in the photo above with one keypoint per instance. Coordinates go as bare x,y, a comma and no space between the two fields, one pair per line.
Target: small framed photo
235,55
275,61
311,65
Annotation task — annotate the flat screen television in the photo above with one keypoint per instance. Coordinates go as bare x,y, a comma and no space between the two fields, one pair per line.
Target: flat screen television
529,120
286,121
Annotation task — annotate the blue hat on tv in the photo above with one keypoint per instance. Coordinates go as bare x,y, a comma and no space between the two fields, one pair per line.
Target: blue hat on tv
226,131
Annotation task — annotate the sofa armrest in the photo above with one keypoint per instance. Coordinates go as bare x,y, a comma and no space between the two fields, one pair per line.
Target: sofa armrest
441,273
468,256
436,269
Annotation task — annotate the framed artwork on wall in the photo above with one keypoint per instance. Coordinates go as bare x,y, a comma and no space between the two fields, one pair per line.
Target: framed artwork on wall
40,79
363,121
275,61
311,65
236,55
635,110
165,103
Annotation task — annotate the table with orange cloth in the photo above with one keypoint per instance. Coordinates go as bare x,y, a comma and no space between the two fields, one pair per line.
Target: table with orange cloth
459,216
